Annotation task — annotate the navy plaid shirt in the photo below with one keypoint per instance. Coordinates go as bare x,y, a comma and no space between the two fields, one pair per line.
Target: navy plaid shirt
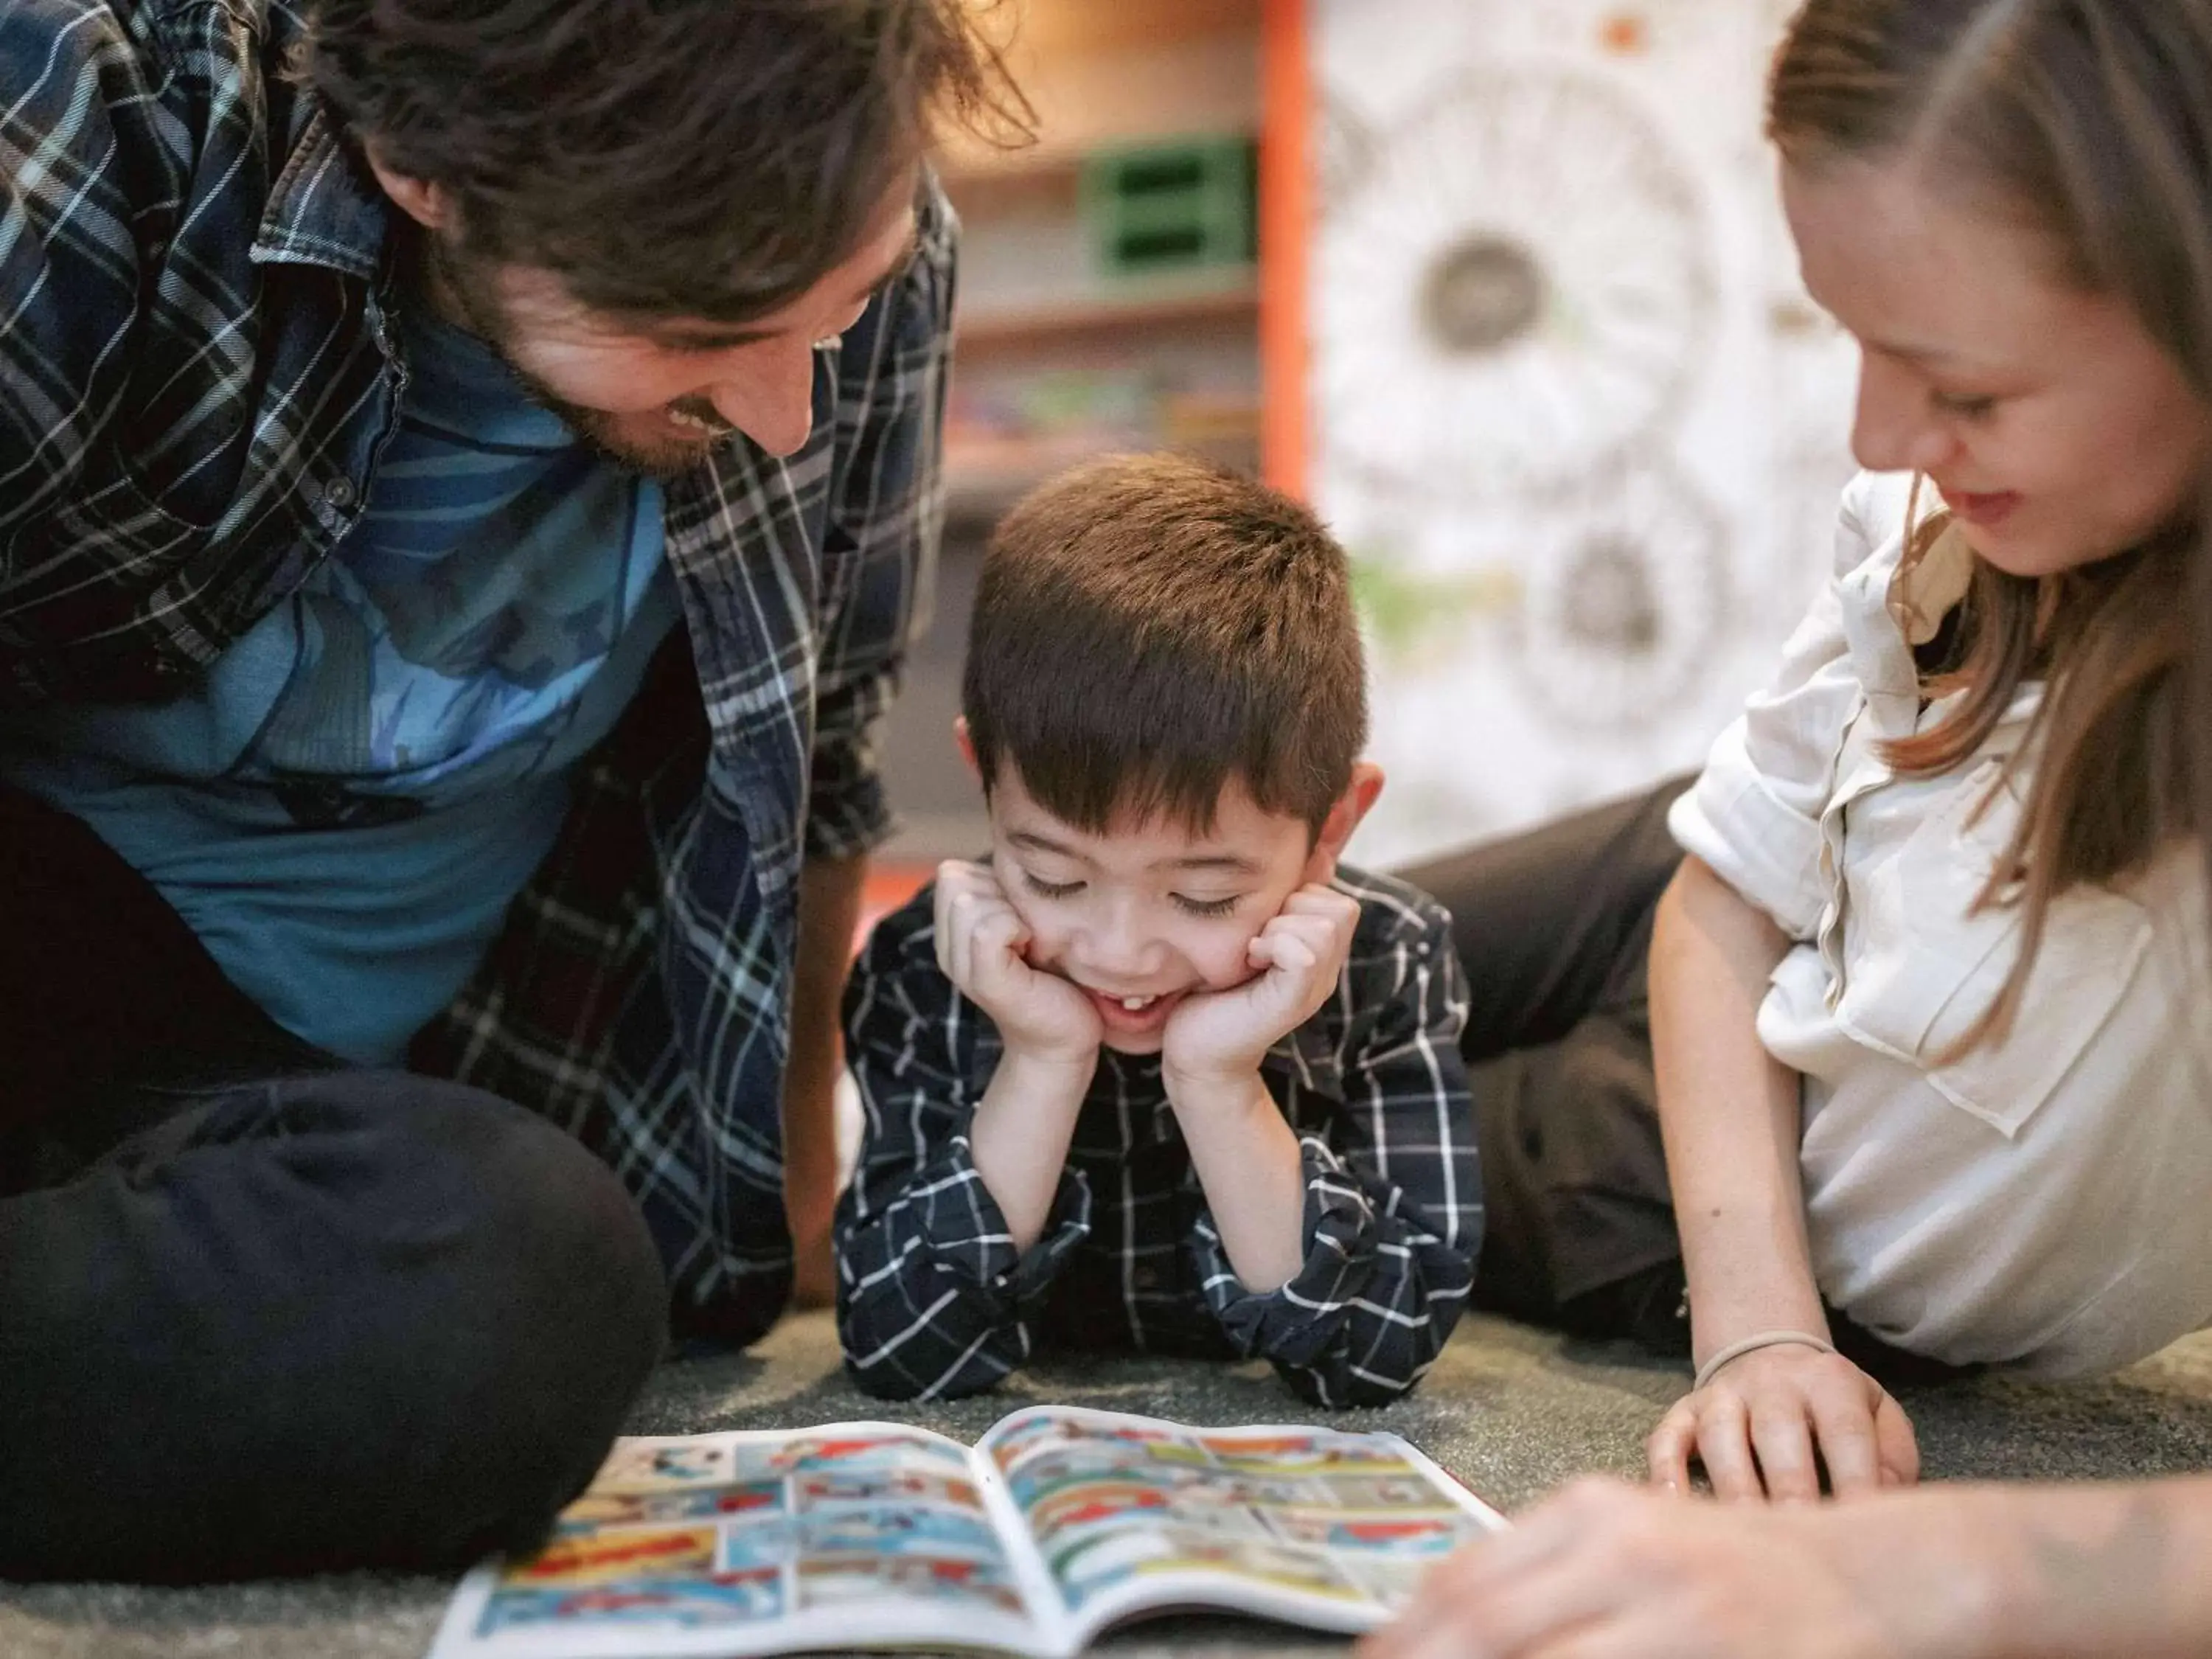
198,370
934,1300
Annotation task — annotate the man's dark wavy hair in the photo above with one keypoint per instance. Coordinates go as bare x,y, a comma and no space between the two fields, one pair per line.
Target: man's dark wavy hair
701,158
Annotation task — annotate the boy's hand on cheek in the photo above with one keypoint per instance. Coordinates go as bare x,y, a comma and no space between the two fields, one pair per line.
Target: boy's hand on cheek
980,941
1221,1036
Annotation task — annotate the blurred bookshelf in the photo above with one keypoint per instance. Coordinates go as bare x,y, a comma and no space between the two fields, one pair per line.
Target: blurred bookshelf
1232,301
1100,74
1110,301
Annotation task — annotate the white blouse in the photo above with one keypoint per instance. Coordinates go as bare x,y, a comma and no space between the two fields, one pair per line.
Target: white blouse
2045,1202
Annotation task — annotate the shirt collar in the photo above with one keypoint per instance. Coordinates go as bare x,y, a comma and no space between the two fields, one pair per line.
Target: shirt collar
324,209
1930,584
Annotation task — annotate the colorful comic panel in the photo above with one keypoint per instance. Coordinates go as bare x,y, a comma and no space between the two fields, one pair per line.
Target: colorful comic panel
647,1464
1221,1520
895,1486
1048,1481
849,1452
1079,1528
1382,1491
1399,1533
911,1529
598,1508
597,1557
1082,1503
1247,1489
721,1598
1114,1556
1304,1454
768,1543
1041,1432
1031,1434
1043,1478
1188,1453
1042,1474
830,1581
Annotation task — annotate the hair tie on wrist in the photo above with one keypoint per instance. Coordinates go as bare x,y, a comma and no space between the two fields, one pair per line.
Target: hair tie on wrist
1711,1368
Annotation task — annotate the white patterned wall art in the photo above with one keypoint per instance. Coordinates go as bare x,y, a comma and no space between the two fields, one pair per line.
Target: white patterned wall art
1572,411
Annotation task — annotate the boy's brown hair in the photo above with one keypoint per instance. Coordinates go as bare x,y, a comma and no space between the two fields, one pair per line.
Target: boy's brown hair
1148,630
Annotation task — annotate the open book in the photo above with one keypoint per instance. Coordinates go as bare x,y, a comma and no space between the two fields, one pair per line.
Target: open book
1059,1522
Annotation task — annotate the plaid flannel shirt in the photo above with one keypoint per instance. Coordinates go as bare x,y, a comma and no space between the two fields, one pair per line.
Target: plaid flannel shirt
934,1300
198,372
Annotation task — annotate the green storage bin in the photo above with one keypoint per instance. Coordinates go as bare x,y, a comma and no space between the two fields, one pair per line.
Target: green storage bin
1163,209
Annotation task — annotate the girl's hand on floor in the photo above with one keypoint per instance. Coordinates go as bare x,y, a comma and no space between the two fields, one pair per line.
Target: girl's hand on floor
1757,1425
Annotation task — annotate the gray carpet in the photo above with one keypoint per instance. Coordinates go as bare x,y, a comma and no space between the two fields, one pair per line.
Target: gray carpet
1509,1410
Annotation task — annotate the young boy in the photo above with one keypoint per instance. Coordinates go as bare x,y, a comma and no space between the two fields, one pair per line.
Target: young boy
1160,1074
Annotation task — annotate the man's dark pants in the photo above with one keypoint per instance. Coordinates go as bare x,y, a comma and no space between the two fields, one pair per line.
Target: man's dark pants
260,1314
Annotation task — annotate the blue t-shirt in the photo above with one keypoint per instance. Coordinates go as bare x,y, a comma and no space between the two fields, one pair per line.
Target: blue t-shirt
366,780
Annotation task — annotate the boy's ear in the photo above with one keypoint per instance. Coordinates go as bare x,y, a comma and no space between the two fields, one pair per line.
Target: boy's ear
967,745
1353,805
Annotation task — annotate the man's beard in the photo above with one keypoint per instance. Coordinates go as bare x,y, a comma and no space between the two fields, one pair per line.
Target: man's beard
465,284
666,459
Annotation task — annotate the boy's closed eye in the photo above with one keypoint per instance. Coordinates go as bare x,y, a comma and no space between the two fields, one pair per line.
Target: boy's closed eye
1051,890
1206,908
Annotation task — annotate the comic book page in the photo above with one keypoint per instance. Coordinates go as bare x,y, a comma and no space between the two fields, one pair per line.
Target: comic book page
1321,1528
851,1536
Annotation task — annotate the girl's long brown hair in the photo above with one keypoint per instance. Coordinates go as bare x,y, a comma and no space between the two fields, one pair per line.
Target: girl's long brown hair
2090,120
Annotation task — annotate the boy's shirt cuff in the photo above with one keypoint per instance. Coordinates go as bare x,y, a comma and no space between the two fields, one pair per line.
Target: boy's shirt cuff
1295,1321
966,1234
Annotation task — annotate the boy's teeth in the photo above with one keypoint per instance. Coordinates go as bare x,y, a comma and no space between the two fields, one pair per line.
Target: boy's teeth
1134,1003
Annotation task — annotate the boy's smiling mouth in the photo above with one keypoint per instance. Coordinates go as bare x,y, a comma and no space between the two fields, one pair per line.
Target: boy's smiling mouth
1132,1016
